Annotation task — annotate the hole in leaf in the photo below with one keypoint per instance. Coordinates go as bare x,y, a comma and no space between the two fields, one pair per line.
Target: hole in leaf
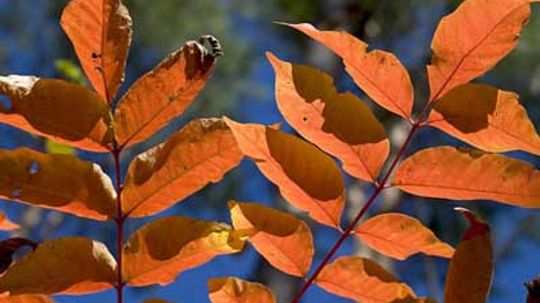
5,104
34,168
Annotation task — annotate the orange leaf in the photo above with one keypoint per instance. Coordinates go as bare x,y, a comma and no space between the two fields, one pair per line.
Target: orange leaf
379,74
163,94
60,182
470,270
400,236
234,290
199,154
364,280
486,117
72,265
6,224
307,178
472,39
339,123
56,109
153,256
282,239
100,31
27,299
461,174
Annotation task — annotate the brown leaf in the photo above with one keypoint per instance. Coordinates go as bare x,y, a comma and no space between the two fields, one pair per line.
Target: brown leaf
400,236
199,154
155,300
8,247
73,265
470,271
60,182
234,290
27,299
307,178
282,239
158,252
461,174
163,93
486,117
472,39
378,73
339,123
100,31
56,109
364,280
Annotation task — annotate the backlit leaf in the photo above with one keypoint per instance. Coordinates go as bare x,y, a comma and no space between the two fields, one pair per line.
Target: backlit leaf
462,174
60,182
27,299
6,224
100,31
307,178
469,274
163,93
339,123
234,290
158,252
486,117
400,236
199,154
378,73
364,280
472,39
72,265
282,239
63,111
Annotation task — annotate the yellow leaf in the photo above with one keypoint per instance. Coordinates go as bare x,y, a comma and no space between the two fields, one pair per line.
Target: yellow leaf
158,252
472,39
6,224
56,109
199,154
400,236
486,117
307,178
469,274
60,182
162,94
378,73
234,290
339,123
461,174
364,280
27,299
72,265
100,31
282,239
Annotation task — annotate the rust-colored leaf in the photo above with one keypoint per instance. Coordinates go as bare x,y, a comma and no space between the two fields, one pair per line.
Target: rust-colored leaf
462,174
155,300
100,31
307,178
60,182
199,154
27,299
56,109
364,280
158,252
282,239
472,39
8,247
378,73
6,224
400,236
163,93
486,117
234,290
339,123
72,265
469,274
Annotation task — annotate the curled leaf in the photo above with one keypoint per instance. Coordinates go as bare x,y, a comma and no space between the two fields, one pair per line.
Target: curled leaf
282,239
153,256
234,290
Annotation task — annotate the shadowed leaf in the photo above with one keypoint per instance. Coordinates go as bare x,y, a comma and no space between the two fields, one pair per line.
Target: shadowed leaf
100,31
339,123
158,252
282,239
234,290
472,39
461,174
199,154
155,300
307,178
8,247
27,299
